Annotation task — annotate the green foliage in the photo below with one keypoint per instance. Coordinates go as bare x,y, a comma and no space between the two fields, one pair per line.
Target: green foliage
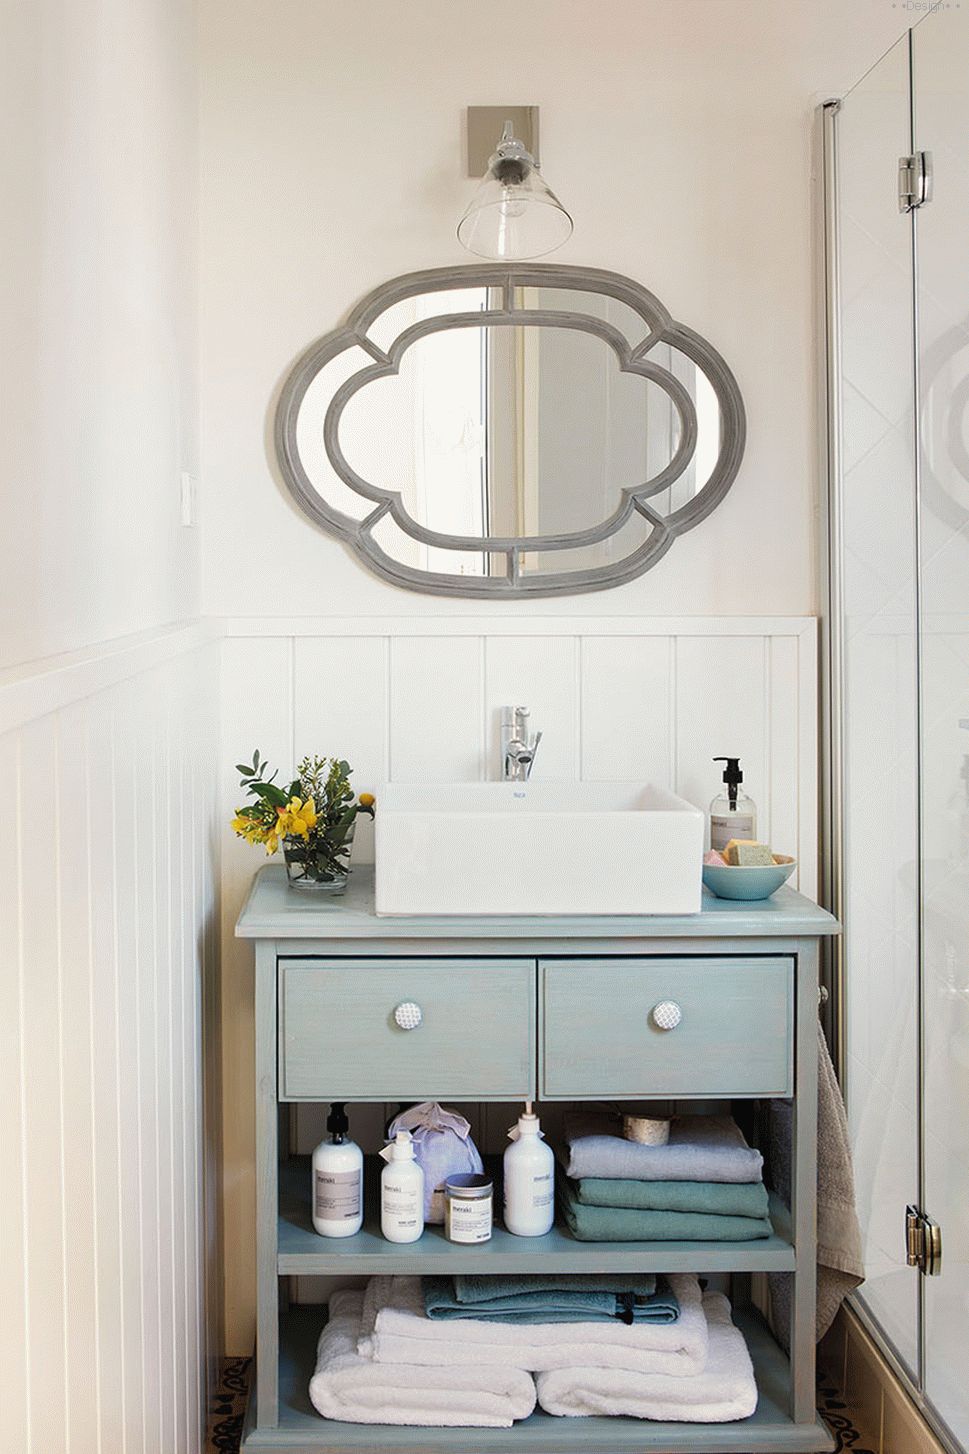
323,851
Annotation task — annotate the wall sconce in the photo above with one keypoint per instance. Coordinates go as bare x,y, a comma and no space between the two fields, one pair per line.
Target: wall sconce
514,213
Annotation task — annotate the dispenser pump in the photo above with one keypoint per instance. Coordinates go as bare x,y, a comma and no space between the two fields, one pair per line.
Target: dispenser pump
732,775
400,1149
732,813
528,1123
337,1123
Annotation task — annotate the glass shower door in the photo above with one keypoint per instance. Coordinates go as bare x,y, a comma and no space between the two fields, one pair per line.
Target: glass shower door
940,63
880,686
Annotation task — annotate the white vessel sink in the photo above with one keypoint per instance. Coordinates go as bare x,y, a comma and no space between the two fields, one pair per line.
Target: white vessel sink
537,848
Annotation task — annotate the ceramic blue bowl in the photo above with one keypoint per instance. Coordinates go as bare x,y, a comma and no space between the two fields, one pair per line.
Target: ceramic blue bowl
749,883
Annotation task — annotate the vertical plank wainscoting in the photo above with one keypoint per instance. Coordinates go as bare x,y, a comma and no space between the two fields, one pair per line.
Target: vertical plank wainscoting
109,1227
412,699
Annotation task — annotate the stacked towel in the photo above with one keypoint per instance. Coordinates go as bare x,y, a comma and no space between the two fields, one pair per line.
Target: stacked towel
355,1390
397,1330
704,1184
546,1300
700,1148
723,1391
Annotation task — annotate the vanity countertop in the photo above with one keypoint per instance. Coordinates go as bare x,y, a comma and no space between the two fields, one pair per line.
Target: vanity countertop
275,911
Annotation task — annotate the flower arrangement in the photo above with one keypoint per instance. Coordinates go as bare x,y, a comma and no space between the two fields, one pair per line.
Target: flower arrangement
313,818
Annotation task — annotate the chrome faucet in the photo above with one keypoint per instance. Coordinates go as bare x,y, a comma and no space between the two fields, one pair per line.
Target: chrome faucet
517,751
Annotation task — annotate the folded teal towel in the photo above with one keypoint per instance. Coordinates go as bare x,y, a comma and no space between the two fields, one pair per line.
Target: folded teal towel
474,1287
723,1198
546,1305
633,1224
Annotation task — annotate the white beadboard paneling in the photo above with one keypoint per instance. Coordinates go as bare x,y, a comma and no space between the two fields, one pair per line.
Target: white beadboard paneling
15,1348
540,673
340,695
78,1209
782,750
626,688
257,710
103,1251
435,717
105,1047
128,782
39,829
721,709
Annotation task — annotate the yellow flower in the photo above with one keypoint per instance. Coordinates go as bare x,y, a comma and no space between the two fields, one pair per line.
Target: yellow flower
367,800
248,828
297,818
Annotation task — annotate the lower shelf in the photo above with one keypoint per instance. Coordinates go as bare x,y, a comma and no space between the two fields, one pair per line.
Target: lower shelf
301,1430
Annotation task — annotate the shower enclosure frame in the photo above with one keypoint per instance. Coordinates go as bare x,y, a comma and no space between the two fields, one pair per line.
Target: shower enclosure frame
833,689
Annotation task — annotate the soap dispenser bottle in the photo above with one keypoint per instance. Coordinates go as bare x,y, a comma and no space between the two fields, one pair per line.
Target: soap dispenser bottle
337,1179
529,1177
732,813
401,1191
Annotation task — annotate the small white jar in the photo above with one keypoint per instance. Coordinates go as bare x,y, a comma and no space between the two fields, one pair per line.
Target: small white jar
468,1208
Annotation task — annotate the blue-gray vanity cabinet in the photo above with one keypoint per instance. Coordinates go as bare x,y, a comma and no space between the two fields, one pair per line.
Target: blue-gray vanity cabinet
508,1005
339,1040
599,1035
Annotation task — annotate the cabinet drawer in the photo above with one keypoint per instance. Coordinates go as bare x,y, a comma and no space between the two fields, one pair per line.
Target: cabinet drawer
339,1039
600,1036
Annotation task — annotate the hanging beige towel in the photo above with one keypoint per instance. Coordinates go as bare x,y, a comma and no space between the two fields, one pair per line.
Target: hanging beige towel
840,1264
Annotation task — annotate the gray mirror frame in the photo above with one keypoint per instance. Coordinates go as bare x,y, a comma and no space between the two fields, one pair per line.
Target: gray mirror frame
507,277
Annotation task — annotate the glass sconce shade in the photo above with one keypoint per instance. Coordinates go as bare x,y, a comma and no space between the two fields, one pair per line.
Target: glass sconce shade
514,213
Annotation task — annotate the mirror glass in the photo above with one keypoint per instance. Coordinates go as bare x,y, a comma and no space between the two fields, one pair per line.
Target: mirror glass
511,432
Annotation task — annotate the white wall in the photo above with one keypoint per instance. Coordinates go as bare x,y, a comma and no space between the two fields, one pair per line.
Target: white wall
109,1120
109,1229
678,131
98,162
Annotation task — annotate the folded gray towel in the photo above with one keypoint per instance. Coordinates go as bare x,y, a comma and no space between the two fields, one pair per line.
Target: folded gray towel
700,1148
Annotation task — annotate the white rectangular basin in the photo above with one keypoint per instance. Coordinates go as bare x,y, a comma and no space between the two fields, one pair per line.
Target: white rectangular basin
537,848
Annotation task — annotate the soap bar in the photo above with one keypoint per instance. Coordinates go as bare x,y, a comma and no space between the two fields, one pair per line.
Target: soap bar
713,859
747,853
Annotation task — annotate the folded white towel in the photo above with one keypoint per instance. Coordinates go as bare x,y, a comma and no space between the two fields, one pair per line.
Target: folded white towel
354,1390
725,1390
396,1329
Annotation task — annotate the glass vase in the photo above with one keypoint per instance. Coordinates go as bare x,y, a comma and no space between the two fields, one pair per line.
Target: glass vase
318,867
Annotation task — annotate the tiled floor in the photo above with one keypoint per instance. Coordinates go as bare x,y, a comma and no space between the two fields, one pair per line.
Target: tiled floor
225,1425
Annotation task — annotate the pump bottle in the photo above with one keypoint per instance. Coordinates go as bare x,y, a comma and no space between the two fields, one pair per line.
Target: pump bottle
529,1176
337,1179
401,1191
732,813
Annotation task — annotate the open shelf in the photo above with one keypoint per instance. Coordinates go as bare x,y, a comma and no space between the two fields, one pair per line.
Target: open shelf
301,1430
302,1252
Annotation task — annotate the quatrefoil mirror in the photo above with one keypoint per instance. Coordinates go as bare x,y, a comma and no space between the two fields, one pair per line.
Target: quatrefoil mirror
509,430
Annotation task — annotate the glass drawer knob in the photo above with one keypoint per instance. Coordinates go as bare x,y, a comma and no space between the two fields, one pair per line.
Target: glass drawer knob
667,1015
408,1015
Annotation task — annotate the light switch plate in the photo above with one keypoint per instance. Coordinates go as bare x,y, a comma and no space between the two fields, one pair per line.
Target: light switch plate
484,132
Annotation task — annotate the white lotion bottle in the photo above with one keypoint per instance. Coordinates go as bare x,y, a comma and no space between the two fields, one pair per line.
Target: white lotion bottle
529,1166
401,1191
337,1179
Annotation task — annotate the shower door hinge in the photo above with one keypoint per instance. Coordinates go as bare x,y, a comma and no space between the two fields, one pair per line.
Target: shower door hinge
914,181
923,1242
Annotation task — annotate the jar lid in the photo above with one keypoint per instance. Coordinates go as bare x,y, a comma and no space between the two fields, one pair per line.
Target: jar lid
467,1184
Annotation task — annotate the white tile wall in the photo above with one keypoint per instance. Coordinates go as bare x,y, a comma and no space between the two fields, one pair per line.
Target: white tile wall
109,1271
413,699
